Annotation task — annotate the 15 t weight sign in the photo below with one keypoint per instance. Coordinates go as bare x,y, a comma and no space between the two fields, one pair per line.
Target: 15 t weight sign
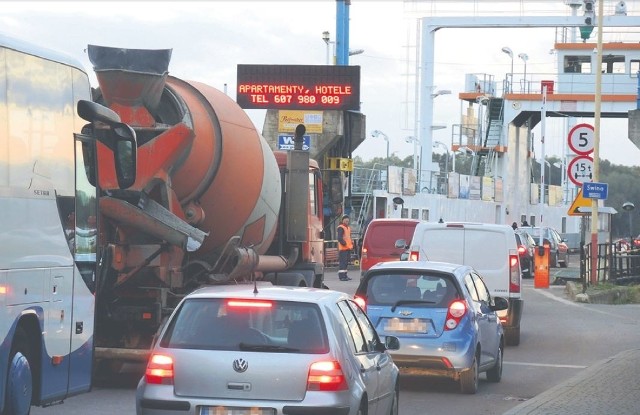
580,170
581,139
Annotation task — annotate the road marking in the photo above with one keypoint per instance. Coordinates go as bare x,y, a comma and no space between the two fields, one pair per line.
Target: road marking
545,365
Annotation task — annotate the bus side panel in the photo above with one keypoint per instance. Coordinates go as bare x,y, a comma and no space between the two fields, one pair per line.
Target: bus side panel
5,334
81,367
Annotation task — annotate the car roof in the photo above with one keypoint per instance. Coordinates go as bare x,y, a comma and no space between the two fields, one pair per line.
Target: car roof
419,266
266,291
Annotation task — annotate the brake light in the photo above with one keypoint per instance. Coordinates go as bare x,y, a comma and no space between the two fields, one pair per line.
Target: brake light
363,254
361,302
326,376
159,370
457,310
249,304
514,274
522,250
414,256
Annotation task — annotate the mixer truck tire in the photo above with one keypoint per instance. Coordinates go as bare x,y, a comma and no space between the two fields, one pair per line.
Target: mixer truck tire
287,279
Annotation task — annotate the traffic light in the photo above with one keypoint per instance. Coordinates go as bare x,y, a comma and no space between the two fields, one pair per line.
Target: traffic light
589,19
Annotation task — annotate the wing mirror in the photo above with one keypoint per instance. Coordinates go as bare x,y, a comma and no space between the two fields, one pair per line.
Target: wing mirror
499,303
121,139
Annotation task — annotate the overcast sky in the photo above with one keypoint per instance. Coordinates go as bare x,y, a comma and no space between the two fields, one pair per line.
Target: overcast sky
209,38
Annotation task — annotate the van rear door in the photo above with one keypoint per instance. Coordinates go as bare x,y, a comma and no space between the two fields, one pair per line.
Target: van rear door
444,244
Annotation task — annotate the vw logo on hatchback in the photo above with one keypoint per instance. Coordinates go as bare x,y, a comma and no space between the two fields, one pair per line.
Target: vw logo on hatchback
240,365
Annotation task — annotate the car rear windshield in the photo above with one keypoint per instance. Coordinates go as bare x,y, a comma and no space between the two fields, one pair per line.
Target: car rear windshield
427,289
249,325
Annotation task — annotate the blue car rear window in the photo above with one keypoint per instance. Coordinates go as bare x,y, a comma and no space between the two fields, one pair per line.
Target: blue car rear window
428,290
264,326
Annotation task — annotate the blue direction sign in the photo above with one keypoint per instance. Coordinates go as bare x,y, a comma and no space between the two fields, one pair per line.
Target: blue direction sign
285,142
595,190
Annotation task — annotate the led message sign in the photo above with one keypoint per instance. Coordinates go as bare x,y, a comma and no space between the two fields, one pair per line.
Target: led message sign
313,87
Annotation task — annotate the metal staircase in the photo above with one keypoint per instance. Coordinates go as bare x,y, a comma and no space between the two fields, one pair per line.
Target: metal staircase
486,153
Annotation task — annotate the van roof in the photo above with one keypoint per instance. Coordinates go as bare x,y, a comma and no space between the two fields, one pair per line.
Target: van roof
464,225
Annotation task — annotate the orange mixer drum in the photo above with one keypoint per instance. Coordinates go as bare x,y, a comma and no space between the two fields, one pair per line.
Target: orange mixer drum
230,171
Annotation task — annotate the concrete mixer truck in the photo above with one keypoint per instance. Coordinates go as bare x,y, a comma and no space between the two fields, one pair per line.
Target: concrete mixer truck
211,203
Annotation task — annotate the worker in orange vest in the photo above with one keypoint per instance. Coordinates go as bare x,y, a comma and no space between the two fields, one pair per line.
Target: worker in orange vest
345,245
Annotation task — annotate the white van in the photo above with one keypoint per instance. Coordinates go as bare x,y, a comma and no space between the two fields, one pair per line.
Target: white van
490,249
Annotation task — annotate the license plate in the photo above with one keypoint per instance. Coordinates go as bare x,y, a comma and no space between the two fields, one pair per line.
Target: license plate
406,325
227,410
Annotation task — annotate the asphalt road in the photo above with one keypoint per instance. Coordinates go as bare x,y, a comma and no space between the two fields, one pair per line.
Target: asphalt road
559,339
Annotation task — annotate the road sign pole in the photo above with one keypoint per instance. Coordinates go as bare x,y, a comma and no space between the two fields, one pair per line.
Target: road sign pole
596,149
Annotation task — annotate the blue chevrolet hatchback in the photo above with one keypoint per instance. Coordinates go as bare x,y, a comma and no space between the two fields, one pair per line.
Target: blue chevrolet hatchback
443,315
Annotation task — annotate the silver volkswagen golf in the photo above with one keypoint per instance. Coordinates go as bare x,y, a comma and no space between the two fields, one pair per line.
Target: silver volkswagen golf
266,350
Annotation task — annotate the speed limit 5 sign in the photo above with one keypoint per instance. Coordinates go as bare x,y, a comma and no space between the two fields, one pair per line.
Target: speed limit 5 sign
581,139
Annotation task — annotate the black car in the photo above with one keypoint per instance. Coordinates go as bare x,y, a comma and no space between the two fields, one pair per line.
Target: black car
526,251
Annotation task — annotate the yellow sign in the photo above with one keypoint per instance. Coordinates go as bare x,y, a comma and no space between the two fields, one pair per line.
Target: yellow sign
288,120
579,202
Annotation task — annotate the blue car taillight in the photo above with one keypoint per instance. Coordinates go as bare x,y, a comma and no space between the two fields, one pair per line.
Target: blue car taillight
457,310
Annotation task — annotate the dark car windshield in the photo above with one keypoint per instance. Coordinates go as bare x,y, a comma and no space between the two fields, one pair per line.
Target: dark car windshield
420,290
250,325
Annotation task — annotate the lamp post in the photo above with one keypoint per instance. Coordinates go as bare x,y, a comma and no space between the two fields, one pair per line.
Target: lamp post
409,139
465,150
524,58
426,134
326,36
378,133
628,207
509,52
446,161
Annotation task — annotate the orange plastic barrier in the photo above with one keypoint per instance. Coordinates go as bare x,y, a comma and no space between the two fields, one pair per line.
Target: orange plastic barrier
541,267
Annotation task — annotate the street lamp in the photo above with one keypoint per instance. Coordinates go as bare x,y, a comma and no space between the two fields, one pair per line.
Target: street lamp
509,52
326,36
465,150
524,58
446,161
378,133
628,207
440,92
426,133
409,139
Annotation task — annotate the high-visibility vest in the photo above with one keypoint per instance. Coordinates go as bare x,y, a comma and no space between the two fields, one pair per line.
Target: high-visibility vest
347,238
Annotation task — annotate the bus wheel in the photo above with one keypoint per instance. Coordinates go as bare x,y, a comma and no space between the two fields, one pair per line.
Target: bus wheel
19,389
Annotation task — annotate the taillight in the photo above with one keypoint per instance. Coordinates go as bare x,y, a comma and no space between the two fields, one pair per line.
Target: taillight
326,376
521,250
414,256
361,302
514,274
249,304
159,370
456,311
363,254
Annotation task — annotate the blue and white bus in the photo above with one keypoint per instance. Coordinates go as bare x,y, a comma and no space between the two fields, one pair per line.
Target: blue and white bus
48,228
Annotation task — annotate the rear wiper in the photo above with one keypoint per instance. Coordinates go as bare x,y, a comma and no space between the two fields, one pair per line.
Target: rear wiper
266,348
401,302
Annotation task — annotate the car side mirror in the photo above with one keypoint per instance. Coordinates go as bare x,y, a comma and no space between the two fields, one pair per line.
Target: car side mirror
499,303
401,243
391,343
